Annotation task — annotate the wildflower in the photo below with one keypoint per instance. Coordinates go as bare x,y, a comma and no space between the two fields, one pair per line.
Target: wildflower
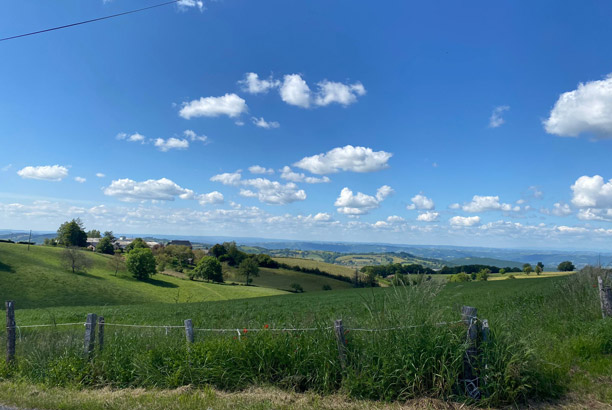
244,330
266,326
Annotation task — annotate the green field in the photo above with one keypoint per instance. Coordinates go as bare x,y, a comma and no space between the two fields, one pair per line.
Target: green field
332,268
36,278
548,340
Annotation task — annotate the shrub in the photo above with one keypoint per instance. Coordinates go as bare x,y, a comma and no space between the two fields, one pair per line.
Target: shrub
297,288
460,277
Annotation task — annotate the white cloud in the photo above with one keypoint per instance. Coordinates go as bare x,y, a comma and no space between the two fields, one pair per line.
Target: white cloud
261,123
135,137
44,172
295,91
252,84
347,158
421,202
80,180
269,192
162,190
428,216
360,204
331,92
561,209
588,109
454,206
288,174
192,136
322,217
100,175
496,119
590,214
228,104
488,203
171,143
6,167
464,220
592,192
183,4
535,192
214,197
256,169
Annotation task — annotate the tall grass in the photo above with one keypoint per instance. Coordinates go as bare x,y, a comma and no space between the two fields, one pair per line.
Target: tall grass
411,354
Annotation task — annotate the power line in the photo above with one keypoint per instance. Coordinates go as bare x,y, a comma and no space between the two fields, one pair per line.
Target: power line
90,21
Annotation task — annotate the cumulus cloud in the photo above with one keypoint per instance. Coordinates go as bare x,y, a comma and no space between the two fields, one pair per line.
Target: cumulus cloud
592,192
135,137
322,217
184,4
267,191
171,143
288,174
428,216
332,92
488,203
295,91
360,204
252,84
421,202
464,221
192,136
161,190
496,119
100,175
44,172
261,123
80,180
561,209
585,110
591,214
228,104
347,158
256,169
214,197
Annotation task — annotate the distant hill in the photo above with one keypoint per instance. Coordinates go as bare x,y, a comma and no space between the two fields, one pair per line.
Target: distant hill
500,263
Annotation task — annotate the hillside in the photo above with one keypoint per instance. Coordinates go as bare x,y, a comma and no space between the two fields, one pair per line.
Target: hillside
332,268
500,263
37,279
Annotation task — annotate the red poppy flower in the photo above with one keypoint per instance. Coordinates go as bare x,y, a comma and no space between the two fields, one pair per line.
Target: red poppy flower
244,330
266,326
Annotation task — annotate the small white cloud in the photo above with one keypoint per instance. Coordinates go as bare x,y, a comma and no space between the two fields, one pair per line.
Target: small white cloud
184,4
535,192
331,92
256,169
192,136
360,204
214,197
454,206
585,110
288,174
135,137
421,202
161,190
464,220
347,158
269,192
496,119
100,175
171,143
488,203
228,178
7,167
228,104
428,216
322,217
592,192
80,180
561,209
261,123
295,91
44,172
253,85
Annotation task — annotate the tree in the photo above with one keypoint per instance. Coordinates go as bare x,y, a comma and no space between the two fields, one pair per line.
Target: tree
137,243
93,234
105,246
116,262
248,267
566,266
209,268
72,234
538,269
297,288
527,269
502,271
50,242
541,265
217,250
141,263
109,235
74,259
234,255
483,275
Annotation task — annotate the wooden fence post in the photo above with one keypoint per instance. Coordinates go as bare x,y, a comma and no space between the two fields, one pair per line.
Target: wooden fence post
10,332
339,330
90,333
485,330
189,331
101,333
605,297
470,379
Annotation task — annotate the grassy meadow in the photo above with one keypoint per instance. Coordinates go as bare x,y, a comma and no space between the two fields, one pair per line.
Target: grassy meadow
548,340
332,268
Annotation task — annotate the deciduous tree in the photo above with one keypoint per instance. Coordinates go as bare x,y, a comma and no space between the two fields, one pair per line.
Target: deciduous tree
141,263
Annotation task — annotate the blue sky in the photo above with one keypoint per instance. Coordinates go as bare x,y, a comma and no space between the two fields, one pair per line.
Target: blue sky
423,123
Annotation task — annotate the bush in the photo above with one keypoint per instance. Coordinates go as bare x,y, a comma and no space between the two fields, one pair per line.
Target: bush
460,277
297,288
327,287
